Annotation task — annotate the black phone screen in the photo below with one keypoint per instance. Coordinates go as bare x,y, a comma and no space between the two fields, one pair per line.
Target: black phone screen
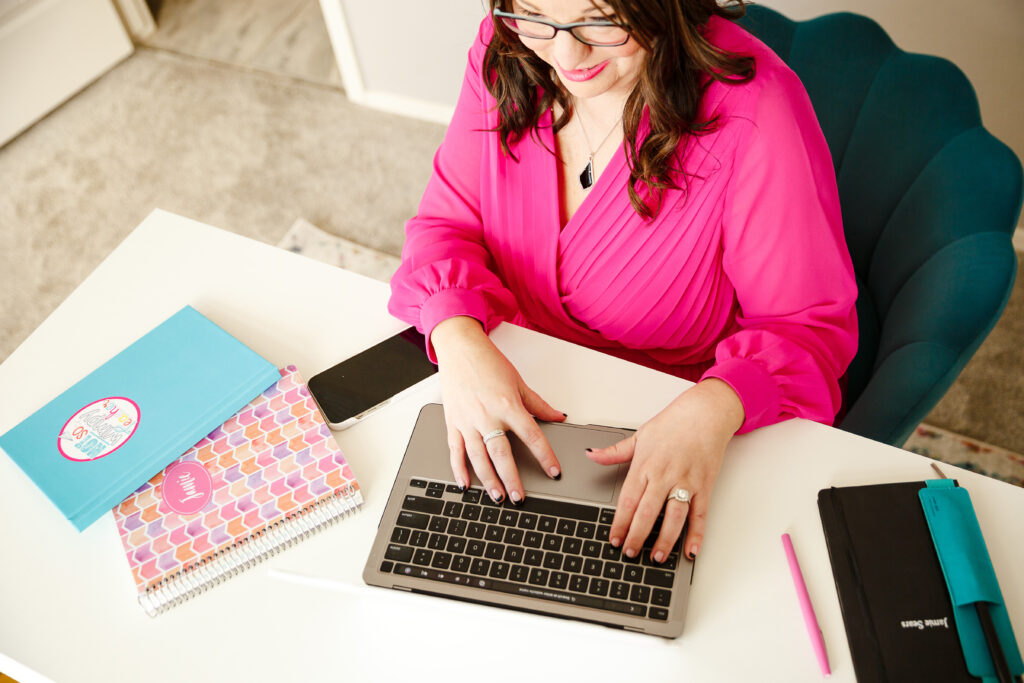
372,376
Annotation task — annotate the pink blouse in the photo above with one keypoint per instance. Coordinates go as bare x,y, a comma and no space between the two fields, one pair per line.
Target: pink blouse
744,275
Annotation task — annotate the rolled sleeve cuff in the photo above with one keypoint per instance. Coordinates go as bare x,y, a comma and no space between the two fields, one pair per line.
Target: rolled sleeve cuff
449,303
756,389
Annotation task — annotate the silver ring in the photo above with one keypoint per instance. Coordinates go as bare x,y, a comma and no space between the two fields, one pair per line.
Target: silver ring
493,435
682,495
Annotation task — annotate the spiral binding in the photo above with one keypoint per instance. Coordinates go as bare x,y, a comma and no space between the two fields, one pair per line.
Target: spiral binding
246,552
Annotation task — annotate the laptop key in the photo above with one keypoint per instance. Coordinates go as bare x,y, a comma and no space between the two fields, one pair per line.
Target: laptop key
620,590
513,554
418,483
400,535
386,567
471,496
566,527
558,580
592,549
398,553
661,597
538,577
499,570
659,613
592,567
598,587
494,533
456,544
422,557
475,548
546,524
610,552
508,518
552,561
602,532
419,539
572,546
671,562
438,524
490,515
552,542
476,530
533,557
607,516
452,509
471,512
457,527
578,583
413,520
441,560
460,564
658,577
573,564
519,573
640,593
527,521
494,551
612,570
634,574
452,488
437,541
418,504
514,536
479,567
533,539
435,489
585,530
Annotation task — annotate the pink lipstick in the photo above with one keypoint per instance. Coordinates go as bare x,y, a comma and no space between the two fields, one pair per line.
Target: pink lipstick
580,75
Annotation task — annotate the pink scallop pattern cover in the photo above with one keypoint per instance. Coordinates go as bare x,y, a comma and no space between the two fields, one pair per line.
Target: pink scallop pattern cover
275,461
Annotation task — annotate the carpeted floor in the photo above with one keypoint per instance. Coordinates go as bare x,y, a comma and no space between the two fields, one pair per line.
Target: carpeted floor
253,152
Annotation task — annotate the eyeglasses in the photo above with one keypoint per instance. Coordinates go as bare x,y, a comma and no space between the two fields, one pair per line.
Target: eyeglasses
594,33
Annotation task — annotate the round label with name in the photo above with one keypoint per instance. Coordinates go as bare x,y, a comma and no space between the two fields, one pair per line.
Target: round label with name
99,429
187,487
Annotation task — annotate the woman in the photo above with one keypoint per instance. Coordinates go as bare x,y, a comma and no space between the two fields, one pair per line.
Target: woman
647,179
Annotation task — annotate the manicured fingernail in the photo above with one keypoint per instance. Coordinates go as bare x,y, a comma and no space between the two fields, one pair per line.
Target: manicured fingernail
555,474
564,415
590,450
496,496
515,496
693,551
630,552
616,541
462,484
659,557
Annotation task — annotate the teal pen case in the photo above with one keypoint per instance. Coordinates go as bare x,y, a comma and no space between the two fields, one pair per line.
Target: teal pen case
969,575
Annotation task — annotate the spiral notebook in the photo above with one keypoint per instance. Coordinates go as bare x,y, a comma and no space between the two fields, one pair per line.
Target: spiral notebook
267,478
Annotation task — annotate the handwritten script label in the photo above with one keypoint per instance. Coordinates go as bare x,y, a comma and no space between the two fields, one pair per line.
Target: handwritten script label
187,487
98,429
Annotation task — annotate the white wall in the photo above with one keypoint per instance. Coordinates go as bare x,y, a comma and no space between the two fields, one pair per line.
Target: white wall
413,62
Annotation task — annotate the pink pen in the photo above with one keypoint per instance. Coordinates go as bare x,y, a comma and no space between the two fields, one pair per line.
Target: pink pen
813,630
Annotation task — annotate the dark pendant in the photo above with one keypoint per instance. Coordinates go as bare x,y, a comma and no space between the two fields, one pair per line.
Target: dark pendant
587,176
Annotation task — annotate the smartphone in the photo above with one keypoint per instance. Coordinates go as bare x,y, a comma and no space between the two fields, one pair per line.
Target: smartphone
354,388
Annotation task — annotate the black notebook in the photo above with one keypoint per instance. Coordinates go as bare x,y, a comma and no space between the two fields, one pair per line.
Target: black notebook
895,604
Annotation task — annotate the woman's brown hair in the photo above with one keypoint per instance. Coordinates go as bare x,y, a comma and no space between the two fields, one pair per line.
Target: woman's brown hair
680,64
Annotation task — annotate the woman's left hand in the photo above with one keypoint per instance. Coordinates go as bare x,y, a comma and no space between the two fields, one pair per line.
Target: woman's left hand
680,447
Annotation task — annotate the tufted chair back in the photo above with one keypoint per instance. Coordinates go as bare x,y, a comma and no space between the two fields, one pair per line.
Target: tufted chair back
929,198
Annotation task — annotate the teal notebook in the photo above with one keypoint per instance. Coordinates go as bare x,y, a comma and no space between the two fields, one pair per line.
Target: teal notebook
96,443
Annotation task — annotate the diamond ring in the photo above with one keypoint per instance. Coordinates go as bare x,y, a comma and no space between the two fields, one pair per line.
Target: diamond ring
682,495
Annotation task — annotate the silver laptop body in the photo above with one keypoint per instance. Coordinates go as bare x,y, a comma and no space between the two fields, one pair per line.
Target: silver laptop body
549,555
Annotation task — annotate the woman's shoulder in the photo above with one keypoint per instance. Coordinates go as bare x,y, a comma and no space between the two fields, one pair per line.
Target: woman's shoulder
772,80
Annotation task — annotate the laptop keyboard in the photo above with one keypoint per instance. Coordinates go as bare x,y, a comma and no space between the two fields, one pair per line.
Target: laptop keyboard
546,549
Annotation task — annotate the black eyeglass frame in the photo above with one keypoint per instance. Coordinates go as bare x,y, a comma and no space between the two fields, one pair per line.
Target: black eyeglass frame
561,27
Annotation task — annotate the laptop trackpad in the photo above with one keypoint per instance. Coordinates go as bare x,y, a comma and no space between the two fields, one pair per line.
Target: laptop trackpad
581,477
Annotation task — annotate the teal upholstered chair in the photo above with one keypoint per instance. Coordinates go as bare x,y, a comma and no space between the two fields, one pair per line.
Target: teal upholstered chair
929,198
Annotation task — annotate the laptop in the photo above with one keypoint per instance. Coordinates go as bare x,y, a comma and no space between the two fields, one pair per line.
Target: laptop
550,555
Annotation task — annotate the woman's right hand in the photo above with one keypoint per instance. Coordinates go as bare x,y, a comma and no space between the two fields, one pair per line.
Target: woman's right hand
482,392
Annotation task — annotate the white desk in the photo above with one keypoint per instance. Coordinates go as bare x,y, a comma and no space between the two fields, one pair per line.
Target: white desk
67,600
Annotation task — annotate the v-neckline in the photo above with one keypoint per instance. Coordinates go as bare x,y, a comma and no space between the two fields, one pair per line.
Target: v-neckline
586,206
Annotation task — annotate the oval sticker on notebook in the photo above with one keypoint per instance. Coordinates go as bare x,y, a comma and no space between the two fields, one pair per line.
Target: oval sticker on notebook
187,487
98,429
